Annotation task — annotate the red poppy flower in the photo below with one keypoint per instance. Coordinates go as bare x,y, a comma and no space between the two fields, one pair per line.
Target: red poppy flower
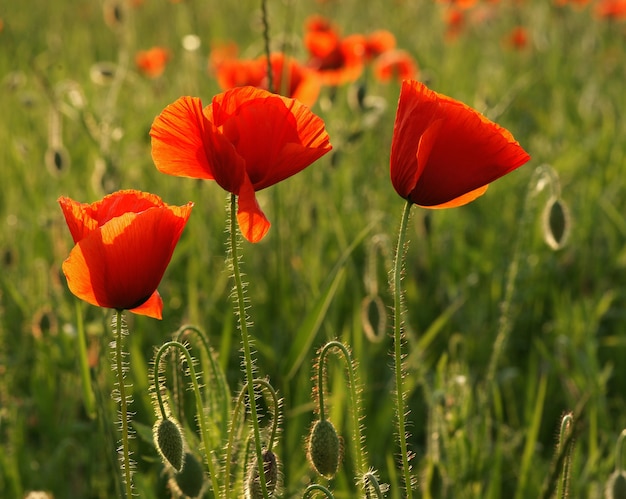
444,153
152,62
246,139
124,243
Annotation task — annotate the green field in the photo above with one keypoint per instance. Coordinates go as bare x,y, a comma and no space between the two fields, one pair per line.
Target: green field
505,336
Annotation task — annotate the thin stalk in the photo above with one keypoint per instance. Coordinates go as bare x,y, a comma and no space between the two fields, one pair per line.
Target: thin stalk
231,434
240,304
204,432
266,39
88,396
565,447
317,487
354,400
397,354
620,452
370,481
123,400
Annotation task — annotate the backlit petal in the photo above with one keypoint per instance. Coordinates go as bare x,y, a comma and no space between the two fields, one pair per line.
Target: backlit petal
252,221
178,140
120,264
463,153
278,137
152,307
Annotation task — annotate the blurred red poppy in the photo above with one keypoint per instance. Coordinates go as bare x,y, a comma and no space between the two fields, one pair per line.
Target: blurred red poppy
443,152
611,9
337,60
395,64
152,62
233,73
123,244
290,78
246,139
379,42
518,38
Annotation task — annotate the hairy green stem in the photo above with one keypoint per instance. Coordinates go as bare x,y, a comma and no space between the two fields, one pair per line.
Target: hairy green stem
370,481
123,400
204,431
397,354
317,487
217,374
354,400
231,433
240,304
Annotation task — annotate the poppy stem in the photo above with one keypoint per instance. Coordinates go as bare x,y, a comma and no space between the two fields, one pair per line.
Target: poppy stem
119,393
355,408
240,306
235,416
200,413
397,354
319,488
266,39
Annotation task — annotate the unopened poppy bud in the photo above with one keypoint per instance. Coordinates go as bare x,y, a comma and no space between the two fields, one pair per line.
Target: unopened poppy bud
556,223
168,438
191,479
253,484
616,486
325,448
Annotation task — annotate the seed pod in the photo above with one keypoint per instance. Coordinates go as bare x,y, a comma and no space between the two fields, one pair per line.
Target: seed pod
253,484
325,448
556,223
190,480
168,438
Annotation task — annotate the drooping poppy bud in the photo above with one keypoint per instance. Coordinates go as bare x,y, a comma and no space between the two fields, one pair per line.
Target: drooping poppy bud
325,448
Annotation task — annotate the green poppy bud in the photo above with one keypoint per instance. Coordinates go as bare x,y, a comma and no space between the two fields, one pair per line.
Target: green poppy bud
168,438
325,448
253,484
190,480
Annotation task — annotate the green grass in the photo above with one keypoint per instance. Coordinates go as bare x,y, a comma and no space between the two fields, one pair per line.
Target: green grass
562,98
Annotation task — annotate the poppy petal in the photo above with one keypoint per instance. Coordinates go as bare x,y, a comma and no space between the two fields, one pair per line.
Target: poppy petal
252,221
461,200
120,264
152,307
77,218
177,140
277,136
465,152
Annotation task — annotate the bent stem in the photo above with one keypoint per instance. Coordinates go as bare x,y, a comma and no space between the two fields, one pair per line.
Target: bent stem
119,394
197,395
240,306
231,433
319,488
397,353
359,453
